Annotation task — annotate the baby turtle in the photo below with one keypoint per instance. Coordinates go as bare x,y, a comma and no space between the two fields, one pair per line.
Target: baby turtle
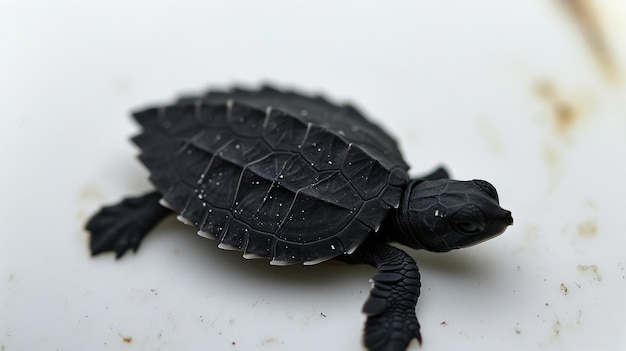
297,179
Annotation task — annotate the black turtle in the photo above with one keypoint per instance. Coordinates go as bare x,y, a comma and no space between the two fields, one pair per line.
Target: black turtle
297,179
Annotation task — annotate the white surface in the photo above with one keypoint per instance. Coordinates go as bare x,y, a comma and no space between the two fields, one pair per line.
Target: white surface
455,81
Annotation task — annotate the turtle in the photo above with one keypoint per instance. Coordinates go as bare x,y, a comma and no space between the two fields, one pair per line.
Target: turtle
297,179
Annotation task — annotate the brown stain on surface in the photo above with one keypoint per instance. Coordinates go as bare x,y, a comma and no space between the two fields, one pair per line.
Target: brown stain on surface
269,341
593,268
588,229
564,112
586,17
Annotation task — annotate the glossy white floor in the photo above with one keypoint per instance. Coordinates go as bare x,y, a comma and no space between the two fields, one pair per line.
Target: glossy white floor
512,93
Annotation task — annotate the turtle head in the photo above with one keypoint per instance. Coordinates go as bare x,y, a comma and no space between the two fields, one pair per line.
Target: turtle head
444,214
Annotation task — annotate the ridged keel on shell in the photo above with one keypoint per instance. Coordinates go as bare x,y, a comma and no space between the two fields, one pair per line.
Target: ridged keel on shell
265,182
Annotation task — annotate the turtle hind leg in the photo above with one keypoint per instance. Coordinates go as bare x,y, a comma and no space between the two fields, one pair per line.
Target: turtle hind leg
390,308
122,226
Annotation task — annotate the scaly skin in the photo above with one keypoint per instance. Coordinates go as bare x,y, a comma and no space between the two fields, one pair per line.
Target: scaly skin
390,308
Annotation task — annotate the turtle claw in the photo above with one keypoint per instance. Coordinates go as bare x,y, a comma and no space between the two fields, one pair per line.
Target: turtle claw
121,227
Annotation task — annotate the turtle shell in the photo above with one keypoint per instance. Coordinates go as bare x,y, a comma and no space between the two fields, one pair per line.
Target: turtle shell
274,174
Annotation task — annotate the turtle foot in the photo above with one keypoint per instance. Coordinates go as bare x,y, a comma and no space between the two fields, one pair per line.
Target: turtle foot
121,227
390,309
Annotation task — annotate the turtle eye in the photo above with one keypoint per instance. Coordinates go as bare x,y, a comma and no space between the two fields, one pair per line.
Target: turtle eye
467,227
469,220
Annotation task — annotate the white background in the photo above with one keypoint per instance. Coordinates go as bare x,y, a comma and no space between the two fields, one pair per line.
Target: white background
506,91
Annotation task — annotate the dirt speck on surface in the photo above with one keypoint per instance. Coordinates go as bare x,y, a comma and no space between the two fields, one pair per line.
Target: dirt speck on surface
585,14
565,113
126,339
564,289
444,323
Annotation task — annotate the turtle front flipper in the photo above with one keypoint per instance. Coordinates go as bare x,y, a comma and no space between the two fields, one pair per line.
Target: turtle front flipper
122,226
390,308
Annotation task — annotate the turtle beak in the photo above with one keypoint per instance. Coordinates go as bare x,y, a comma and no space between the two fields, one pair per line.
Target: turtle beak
507,217
502,220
